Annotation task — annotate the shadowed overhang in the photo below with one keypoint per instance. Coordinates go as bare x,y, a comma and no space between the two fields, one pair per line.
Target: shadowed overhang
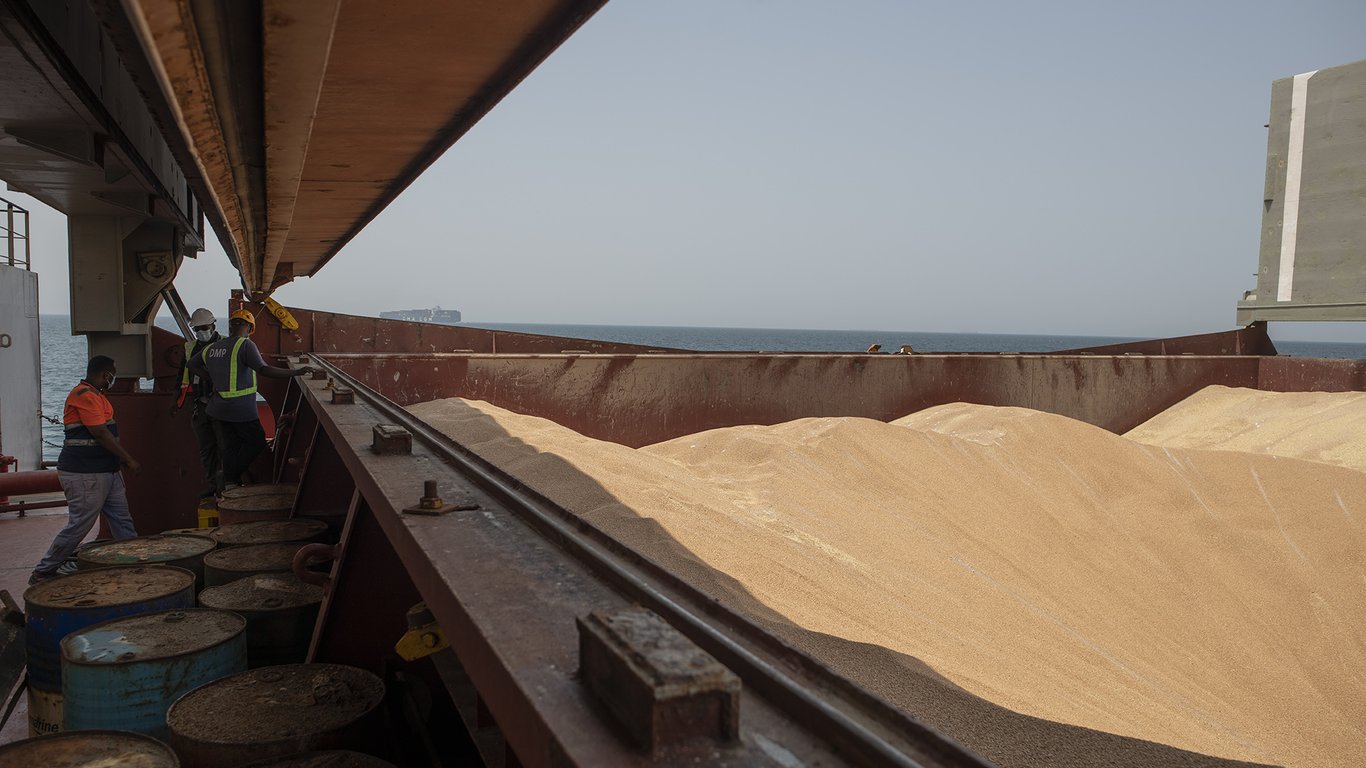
305,119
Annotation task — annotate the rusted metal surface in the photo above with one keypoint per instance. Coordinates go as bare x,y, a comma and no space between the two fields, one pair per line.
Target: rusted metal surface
390,440
87,748
181,551
507,599
261,489
280,609
1251,340
1296,374
330,333
642,399
262,506
277,711
268,532
659,685
232,563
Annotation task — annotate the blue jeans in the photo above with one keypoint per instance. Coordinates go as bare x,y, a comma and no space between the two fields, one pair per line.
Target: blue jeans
87,495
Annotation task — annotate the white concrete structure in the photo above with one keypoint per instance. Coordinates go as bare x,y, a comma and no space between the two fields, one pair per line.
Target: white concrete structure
21,433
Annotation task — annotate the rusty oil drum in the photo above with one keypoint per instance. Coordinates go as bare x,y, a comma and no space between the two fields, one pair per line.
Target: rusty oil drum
181,551
280,609
232,563
269,532
258,506
60,606
205,532
123,674
275,712
83,749
261,489
333,758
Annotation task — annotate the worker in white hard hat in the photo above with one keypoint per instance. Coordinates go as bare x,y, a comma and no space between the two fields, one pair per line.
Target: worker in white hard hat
197,388
233,363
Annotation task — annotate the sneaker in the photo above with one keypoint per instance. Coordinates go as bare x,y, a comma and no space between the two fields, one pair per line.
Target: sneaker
39,576
67,568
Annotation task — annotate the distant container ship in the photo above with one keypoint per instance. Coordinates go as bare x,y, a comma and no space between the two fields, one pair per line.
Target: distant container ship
433,315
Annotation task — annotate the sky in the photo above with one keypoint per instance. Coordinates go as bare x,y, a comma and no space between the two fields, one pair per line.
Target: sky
1085,168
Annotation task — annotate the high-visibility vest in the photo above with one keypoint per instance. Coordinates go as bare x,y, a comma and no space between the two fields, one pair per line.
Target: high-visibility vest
189,353
232,374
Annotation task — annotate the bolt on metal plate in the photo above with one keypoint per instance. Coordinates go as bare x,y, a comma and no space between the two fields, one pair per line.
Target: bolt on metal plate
432,504
658,685
391,440
343,395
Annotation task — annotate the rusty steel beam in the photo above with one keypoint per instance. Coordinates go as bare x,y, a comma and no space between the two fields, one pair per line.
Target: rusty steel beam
509,578
1252,340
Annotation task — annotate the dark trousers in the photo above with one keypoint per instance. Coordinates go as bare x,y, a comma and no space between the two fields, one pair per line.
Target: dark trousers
208,448
239,443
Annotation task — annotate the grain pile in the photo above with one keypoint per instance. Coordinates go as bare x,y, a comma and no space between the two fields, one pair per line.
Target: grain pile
1319,426
1042,590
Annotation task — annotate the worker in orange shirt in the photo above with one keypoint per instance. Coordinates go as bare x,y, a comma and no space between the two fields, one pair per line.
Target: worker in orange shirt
88,469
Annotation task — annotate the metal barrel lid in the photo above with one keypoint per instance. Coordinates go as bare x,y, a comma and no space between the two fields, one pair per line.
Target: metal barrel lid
147,549
268,531
105,587
333,758
263,502
151,636
263,592
274,703
257,558
204,532
261,489
90,749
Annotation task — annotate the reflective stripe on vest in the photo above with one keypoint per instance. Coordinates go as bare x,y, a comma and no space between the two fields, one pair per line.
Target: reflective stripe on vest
189,355
232,374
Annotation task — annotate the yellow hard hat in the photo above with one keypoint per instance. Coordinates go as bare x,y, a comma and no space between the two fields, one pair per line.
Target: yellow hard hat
245,316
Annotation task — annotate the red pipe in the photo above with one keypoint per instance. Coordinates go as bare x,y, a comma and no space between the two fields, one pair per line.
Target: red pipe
26,483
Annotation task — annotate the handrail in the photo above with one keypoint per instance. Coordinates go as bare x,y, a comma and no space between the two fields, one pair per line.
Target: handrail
9,210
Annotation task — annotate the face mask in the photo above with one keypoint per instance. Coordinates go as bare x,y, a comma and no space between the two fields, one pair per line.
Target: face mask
109,383
205,335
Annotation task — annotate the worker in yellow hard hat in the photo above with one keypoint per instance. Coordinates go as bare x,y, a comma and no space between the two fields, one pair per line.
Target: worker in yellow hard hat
233,364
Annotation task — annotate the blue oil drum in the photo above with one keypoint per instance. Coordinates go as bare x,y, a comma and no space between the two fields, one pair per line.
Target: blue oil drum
182,551
89,748
124,674
57,607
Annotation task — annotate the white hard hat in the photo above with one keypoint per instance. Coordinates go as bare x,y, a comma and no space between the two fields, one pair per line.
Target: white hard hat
200,317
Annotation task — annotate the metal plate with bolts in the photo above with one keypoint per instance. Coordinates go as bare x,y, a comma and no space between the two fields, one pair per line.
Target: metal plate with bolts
433,504
658,684
391,440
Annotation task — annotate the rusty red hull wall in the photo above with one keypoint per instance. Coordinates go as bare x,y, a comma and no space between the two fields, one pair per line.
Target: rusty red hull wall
638,400
330,332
